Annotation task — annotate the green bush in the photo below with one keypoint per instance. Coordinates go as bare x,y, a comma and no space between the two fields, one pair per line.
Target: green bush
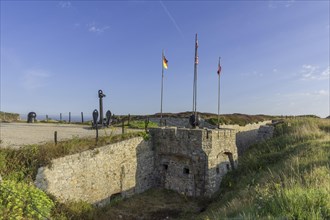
23,201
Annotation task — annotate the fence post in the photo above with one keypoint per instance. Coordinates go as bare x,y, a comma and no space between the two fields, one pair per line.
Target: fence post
97,133
69,117
47,118
55,137
60,117
122,126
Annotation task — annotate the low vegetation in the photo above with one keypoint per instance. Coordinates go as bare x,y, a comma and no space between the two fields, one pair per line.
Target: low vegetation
141,124
19,199
8,117
154,204
286,177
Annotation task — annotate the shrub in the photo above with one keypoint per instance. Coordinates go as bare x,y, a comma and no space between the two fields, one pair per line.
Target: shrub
23,201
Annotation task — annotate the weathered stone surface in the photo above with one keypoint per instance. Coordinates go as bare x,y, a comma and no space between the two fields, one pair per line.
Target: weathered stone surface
265,132
192,161
95,175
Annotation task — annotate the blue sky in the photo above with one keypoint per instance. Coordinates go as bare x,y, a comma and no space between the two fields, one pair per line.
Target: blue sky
56,55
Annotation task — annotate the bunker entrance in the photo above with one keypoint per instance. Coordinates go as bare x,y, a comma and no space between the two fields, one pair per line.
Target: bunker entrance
231,159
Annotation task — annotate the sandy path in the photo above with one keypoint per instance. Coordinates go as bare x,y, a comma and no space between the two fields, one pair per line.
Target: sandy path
18,134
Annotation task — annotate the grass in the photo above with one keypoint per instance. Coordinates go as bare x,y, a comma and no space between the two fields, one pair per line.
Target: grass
237,119
153,204
8,117
141,124
286,177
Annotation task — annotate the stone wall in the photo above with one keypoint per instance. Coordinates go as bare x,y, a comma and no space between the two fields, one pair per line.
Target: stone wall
246,135
265,132
95,175
192,161
222,157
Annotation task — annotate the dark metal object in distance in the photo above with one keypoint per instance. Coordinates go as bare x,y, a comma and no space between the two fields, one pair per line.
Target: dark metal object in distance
123,126
55,137
82,117
95,116
129,119
31,117
60,116
101,95
108,118
194,121
69,117
47,118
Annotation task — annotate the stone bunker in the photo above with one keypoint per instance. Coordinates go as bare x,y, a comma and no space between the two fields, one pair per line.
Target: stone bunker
189,161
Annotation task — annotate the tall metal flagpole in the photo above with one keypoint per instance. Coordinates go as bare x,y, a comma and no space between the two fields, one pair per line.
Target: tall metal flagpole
161,98
195,79
219,71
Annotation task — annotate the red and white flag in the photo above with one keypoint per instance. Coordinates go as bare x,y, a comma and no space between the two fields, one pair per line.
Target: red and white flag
219,68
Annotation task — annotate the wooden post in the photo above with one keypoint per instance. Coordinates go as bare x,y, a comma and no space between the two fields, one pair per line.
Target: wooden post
129,118
55,137
69,117
123,126
97,133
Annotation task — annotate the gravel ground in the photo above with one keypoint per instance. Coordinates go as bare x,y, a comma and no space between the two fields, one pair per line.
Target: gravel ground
15,135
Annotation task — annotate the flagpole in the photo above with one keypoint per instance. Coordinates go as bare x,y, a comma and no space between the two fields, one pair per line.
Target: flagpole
195,79
161,99
219,93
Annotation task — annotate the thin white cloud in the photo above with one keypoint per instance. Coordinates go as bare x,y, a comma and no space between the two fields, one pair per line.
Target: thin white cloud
289,3
34,79
321,92
172,19
326,73
314,94
280,4
94,28
252,74
65,4
310,72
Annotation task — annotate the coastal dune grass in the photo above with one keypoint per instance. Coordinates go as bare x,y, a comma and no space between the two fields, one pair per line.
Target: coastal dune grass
286,177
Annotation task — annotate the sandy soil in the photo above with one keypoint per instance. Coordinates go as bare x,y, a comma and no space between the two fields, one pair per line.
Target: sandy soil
15,135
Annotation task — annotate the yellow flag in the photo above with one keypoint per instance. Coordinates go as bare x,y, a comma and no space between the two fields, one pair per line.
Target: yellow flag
165,61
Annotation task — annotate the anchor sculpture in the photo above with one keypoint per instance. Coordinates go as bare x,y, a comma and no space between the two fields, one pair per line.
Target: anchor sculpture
102,121
31,117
